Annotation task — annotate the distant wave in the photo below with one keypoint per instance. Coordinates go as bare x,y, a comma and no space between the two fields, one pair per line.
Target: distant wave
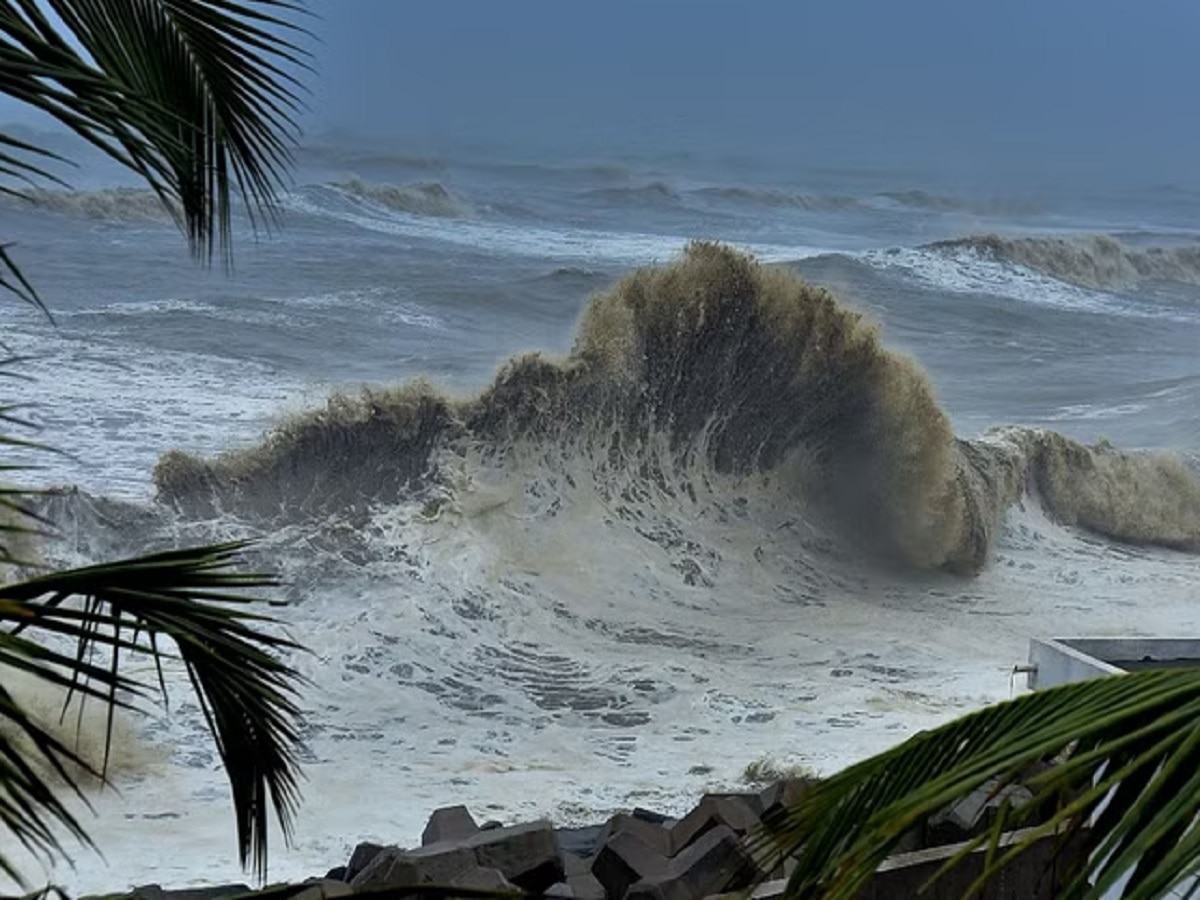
910,199
571,276
128,205
778,199
355,160
996,206
419,199
653,193
1095,261
602,170
682,380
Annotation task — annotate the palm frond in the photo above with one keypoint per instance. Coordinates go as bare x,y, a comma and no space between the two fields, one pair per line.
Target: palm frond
199,97
15,282
18,515
1126,780
195,599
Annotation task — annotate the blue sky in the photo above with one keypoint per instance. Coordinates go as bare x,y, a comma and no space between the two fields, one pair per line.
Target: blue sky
1089,85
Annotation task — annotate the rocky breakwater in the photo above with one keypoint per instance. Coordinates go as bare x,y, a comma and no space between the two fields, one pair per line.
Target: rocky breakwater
642,855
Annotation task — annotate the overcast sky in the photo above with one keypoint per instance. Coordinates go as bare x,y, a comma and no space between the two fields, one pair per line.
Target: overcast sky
1031,80
973,83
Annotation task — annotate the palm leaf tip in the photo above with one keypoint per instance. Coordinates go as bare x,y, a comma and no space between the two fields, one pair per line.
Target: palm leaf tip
200,97
1125,780
231,654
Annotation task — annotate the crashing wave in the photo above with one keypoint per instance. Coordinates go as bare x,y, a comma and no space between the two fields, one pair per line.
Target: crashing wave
714,367
108,204
1094,261
420,199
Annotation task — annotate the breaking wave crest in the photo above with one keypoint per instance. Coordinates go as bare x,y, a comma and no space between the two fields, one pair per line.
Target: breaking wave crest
420,199
1095,261
998,206
653,193
107,204
695,377
780,199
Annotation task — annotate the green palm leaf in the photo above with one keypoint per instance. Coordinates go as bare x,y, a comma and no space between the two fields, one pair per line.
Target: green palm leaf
1126,780
199,97
114,611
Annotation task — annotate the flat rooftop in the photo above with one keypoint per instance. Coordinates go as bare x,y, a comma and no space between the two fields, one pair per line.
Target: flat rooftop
1054,661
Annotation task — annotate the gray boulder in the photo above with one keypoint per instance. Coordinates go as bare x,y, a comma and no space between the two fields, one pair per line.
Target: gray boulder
450,823
716,862
527,855
390,867
363,854
974,813
582,842
323,889
624,860
156,892
485,879
650,833
734,811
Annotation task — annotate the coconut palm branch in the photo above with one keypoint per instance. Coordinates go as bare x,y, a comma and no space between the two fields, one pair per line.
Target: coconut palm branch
1126,781
198,97
99,618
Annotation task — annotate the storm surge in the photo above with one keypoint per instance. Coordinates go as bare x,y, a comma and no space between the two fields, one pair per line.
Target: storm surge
692,380
121,205
420,199
1095,261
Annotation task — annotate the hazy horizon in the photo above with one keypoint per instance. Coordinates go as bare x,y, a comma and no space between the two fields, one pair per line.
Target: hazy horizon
981,94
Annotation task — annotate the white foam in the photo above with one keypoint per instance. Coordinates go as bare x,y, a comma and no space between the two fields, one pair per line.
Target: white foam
576,244
473,656
1084,412
966,272
116,412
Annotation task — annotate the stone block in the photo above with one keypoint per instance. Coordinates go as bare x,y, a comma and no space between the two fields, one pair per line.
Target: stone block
156,892
586,887
213,892
337,873
582,842
441,863
483,878
650,833
527,855
574,865
390,867
765,860
624,860
450,823
731,810
752,799
363,854
649,815
714,863
580,887
974,813
323,889
775,798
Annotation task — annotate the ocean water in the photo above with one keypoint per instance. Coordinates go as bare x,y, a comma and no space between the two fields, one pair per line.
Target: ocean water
716,519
